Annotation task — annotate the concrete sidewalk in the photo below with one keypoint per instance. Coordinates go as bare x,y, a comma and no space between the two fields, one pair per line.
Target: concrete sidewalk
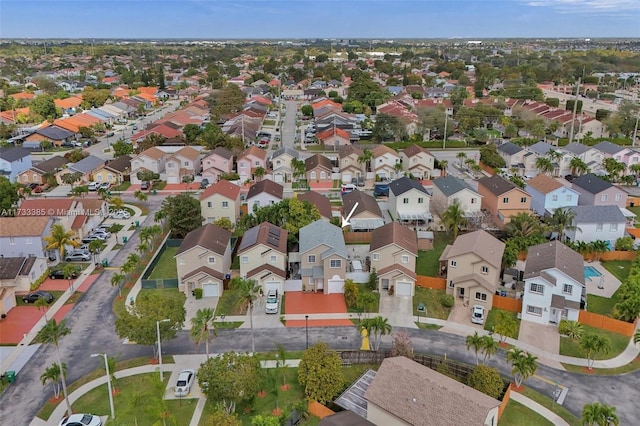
543,411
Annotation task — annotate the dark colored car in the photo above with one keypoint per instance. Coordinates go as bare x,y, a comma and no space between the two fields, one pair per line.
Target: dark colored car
204,183
381,190
144,185
59,275
35,295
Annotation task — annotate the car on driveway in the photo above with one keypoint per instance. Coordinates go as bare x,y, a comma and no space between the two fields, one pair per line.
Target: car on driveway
58,275
272,306
81,420
184,383
477,314
35,295
78,257
89,238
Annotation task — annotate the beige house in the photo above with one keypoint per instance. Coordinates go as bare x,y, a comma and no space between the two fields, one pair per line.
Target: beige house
151,159
417,161
221,200
323,257
393,251
115,171
183,163
472,267
449,190
318,168
384,162
203,260
16,276
350,167
364,210
281,167
263,256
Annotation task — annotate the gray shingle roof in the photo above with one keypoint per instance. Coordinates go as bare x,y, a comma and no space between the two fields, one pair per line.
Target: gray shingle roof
597,214
608,147
322,232
268,186
52,164
286,150
209,236
12,154
541,148
87,164
404,184
591,183
554,255
450,185
55,133
509,148
497,185
576,148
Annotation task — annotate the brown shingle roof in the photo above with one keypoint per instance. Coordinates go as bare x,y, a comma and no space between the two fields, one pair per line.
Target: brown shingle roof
554,255
23,226
11,267
394,233
120,164
188,152
383,149
414,149
408,272
268,186
497,185
346,150
277,271
266,233
51,165
206,270
209,236
421,396
322,203
365,203
481,243
544,184
153,152
255,151
223,152
224,188
318,160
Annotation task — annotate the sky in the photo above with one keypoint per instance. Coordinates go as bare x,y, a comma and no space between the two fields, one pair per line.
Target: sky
264,19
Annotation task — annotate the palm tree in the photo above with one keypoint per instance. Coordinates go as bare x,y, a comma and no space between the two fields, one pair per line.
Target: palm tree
376,327
143,247
259,173
202,325
60,238
474,341
69,271
133,258
598,247
613,168
397,168
443,167
562,220
249,291
53,332
42,305
544,165
95,247
140,196
523,364
114,228
116,281
365,160
594,345
461,156
635,169
299,168
599,414
578,167
555,156
488,347
117,202
453,218
53,374
523,225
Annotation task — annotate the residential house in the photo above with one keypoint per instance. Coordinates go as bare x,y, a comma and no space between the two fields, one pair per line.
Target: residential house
218,163
561,164
417,161
13,161
393,251
512,155
22,236
184,163
16,276
611,150
592,157
85,168
598,192
263,256
151,159
409,201
503,199
384,162
39,171
221,200
597,223
472,267
548,194
449,190
323,257
334,137
281,167
350,167
403,392
54,134
204,260
264,193
553,284
364,211
322,203
249,160
115,171
318,168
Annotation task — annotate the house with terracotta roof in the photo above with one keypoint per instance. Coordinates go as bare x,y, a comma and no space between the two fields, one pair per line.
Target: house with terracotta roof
318,168
204,260
264,193
114,171
503,199
23,96
181,164
249,160
384,161
417,161
350,167
263,256
221,200
151,159
548,194
218,163
74,123
22,236
393,251
334,137
37,172
11,116
322,203
400,111
69,104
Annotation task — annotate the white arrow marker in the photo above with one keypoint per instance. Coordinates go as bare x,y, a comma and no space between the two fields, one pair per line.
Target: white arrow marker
345,222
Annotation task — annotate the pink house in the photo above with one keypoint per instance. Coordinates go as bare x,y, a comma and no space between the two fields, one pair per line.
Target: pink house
249,160
218,163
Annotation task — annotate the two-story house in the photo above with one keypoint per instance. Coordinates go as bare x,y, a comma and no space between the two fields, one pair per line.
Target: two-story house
323,257
393,251
264,193
591,156
553,284
350,167
322,203
204,260
249,160
280,163
472,266
183,163
417,161
409,201
40,171
596,223
263,256
364,211
598,192
23,236
384,162
450,190
151,159
548,194
221,200
318,168
13,161
219,162
503,199
114,171
513,156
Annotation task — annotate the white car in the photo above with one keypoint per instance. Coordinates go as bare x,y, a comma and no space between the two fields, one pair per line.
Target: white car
184,383
93,186
272,306
81,420
120,214
477,314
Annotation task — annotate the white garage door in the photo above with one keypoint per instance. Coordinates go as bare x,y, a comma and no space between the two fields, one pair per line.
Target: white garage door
269,285
335,285
278,178
403,289
346,178
210,290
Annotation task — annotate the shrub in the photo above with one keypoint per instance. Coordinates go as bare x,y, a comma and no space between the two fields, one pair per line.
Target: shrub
572,329
197,293
351,293
402,345
40,280
372,284
486,380
624,244
447,300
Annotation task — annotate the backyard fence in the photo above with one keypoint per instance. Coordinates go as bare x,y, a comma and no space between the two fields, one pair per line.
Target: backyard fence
145,282
486,168
505,401
319,410
357,237
607,323
507,303
431,282
159,283
618,255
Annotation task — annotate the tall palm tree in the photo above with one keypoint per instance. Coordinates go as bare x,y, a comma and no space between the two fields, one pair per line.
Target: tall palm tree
488,347
376,327
299,168
143,247
140,196
259,173
544,165
453,218
461,156
562,220
474,341
599,414
133,259
116,281
554,155
523,225
635,169
53,374
52,333
95,247
523,365
598,247
249,291
365,159
117,202
397,168
594,345
42,305
202,325
59,238
578,167
443,167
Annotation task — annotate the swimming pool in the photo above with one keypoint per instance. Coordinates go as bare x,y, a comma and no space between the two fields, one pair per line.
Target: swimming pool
590,272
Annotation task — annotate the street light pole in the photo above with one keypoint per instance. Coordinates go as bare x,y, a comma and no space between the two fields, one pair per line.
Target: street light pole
306,326
106,366
160,346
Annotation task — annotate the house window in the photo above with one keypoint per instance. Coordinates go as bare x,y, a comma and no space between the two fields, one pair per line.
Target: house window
613,227
335,263
536,288
323,175
485,269
473,200
186,164
274,259
554,198
523,200
505,200
278,162
451,284
209,204
567,289
211,260
242,165
28,241
225,204
604,197
244,259
481,296
25,178
618,197
257,164
170,165
453,264
598,227
405,259
534,310
312,175
569,197
405,201
376,256
311,258
420,200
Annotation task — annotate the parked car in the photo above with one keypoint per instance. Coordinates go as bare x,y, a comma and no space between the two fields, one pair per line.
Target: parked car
477,314
204,183
144,185
78,257
184,383
58,275
347,188
120,214
135,127
35,295
360,180
81,420
104,185
272,306
100,233
93,186
89,238
110,134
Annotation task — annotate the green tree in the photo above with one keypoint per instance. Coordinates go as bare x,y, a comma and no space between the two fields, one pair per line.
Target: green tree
505,325
259,173
523,225
299,168
191,133
248,291
182,213
230,378
561,221
52,333
598,247
147,176
202,326
376,328
44,106
9,197
578,167
140,196
53,374
488,347
92,97
221,418
523,365
71,178
490,157
351,293
365,159
594,345
306,110
572,329
225,223
116,281
59,239
453,218
544,165
114,228
486,380
121,148
474,341
320,373
599,414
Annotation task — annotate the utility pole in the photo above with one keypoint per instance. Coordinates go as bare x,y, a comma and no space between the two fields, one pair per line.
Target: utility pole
444,137
575,109
635,130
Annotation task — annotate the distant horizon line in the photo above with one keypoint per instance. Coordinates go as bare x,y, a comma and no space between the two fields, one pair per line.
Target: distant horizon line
382,39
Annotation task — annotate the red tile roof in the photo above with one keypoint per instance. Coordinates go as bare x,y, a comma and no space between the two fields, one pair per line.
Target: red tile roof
224,188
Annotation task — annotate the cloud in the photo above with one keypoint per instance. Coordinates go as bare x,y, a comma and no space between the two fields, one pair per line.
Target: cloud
590,7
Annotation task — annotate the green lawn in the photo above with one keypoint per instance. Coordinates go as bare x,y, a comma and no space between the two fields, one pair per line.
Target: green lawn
491,320
122,187
431,299
516,414
572,348
230,304
427,263
632,366
175,295
166,266
618,268
371,308
604,305
551,405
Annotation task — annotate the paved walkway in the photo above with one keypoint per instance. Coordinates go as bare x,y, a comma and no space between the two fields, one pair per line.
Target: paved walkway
543,411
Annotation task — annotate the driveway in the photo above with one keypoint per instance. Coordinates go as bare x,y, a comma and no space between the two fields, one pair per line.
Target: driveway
545,337
460,314
398,310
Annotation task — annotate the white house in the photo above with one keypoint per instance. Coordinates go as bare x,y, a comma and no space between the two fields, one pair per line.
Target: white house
409,201
593,223
449,190
553,284
264,193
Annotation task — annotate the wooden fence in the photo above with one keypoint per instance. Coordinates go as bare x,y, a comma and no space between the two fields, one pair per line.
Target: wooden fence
507,303
431,282
618,255
357,237
486,168
319,410
607,323
505,401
